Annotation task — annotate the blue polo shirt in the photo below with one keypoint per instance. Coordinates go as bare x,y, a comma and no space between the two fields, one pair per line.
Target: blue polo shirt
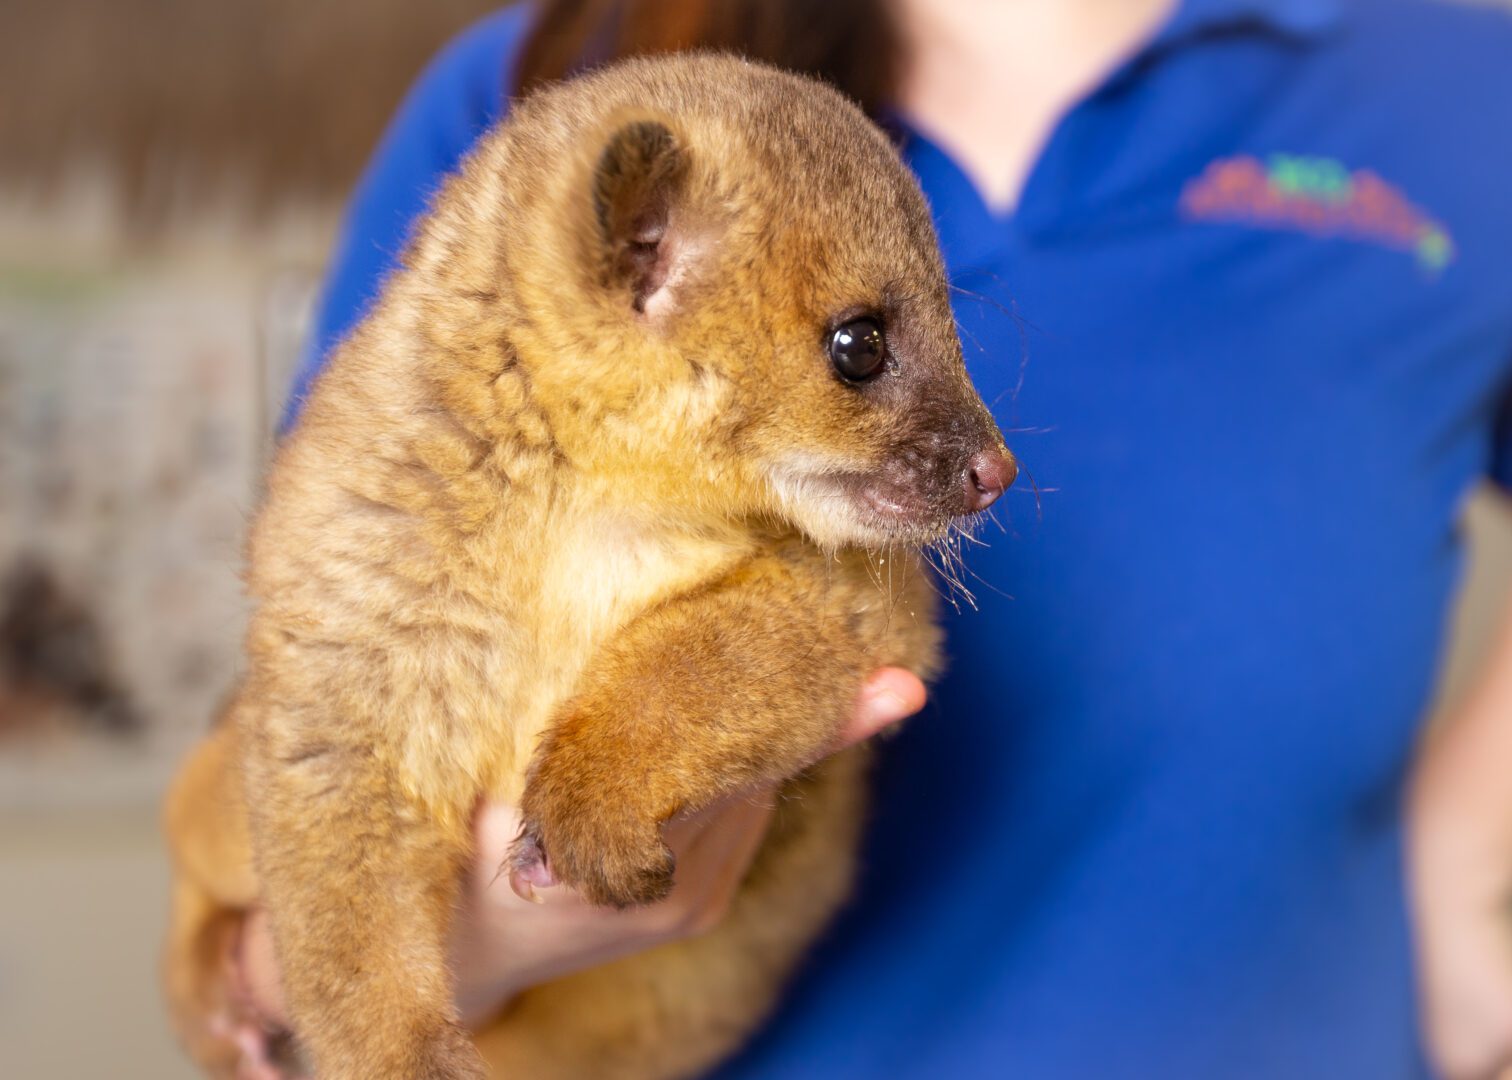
1250,331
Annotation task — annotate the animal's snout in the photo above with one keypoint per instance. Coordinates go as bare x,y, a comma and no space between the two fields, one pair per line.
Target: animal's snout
989,473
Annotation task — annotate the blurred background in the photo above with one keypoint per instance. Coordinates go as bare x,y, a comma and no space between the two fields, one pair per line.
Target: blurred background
171,175
171,172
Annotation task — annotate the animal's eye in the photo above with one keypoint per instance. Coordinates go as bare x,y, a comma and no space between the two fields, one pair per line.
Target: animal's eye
858,349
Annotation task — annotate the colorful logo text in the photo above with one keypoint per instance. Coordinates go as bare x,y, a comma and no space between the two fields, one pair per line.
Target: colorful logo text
1318,196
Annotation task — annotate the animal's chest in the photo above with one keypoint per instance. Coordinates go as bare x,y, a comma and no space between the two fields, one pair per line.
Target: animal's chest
589,585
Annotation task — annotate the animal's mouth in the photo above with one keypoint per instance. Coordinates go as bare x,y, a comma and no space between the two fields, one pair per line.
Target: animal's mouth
859,508
904,511
891,505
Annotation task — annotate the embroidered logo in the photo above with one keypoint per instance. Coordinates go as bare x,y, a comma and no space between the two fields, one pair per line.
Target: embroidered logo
1318,196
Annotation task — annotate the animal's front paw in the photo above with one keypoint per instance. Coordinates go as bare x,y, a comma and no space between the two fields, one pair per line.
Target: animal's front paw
614,862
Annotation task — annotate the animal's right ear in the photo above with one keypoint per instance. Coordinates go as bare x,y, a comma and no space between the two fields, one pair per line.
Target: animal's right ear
638,188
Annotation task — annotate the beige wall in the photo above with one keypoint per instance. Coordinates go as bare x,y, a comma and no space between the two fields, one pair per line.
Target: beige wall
82,901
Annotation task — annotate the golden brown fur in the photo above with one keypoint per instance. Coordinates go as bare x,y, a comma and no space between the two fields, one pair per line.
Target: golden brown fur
576,519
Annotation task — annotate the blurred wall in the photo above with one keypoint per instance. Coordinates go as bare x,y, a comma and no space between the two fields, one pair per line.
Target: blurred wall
170,184
171,173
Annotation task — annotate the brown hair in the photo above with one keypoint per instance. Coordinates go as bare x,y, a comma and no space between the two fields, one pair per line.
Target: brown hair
848,43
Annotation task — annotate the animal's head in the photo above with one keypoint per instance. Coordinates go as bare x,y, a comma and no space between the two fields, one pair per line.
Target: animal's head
732,289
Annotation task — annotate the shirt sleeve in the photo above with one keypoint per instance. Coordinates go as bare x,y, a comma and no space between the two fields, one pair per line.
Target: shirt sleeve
461,93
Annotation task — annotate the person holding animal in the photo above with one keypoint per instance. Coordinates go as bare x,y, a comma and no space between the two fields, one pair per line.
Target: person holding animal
1239,272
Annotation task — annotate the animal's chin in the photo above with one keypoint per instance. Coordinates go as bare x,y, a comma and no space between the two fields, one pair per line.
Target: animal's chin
840,510
893,519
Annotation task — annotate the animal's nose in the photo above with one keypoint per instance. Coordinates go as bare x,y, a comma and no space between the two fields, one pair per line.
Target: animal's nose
989,473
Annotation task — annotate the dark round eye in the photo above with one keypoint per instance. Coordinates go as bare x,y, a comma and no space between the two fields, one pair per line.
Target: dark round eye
858,349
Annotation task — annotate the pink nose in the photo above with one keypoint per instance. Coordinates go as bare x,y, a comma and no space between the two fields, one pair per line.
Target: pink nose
989,473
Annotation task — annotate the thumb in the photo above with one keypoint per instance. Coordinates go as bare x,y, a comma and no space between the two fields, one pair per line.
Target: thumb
889,695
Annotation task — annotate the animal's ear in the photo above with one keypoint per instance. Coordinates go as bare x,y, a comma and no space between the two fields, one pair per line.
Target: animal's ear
639,186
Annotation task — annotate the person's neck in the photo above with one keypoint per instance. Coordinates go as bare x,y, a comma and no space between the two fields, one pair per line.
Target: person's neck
989,79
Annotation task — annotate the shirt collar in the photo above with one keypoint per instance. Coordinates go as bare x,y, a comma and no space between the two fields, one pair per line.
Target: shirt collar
1302,19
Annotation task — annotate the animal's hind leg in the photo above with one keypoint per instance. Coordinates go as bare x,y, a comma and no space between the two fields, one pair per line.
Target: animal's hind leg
359,884
675,1010
213,885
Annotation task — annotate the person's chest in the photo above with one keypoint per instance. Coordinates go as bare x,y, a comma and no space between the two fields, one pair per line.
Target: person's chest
1249,355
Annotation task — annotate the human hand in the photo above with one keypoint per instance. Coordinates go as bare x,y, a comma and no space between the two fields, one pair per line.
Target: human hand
503,944
1462,898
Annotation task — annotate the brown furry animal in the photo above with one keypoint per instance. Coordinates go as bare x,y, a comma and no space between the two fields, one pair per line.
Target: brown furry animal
577,520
